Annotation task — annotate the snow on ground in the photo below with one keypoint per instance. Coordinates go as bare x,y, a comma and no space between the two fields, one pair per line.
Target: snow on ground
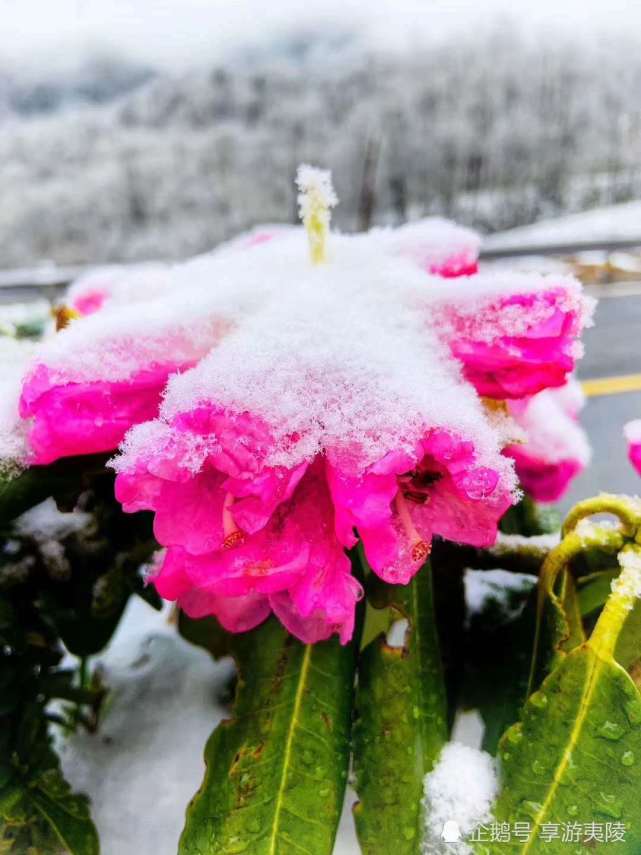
459,793
145,763
613,222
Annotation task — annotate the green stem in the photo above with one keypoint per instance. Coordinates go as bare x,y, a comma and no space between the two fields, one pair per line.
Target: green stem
627,510
618,605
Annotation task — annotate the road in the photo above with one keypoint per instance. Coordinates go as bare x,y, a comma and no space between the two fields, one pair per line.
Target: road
612,349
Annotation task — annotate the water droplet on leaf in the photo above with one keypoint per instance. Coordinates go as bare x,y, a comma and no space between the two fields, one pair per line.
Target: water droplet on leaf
539,700
611,730
608,804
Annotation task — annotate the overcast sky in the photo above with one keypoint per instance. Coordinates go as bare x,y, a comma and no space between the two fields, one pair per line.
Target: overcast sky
183,32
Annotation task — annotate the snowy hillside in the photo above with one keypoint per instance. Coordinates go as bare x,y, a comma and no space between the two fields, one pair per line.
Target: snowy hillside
493,130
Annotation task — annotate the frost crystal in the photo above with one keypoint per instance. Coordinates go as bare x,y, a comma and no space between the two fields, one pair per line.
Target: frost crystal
628,583
316,193
315,199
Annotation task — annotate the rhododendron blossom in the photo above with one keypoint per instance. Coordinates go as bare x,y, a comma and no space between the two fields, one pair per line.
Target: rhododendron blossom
86,404
337,413
516,344
555,448
244,537
632,432
280,408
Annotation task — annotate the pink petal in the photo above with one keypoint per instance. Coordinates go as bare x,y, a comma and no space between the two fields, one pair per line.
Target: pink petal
85,418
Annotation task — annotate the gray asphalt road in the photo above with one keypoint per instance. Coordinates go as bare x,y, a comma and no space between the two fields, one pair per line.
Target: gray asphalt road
613,348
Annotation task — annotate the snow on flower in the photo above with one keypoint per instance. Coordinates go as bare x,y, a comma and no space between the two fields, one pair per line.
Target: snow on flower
555,448
91,382
14,355
281,410
335,412
632,433
437,245
515,334
117,284
103,373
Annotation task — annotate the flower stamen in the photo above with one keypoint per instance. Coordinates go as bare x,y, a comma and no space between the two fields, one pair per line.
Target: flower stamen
420,549
316,198
232,535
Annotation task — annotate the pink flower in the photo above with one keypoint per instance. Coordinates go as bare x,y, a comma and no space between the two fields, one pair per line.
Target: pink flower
632,432
556,448
438,246
82,400
117,285
101,375
85,418
293,393
271,538
515,344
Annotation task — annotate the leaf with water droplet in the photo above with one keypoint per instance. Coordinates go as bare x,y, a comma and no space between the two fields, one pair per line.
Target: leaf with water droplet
400,726
276,771
611,730
582,738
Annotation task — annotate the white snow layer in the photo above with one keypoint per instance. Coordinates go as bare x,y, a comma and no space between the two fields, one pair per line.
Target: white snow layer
45,522
483,586
628,583
345,354
459,793
146,761
121,283
14,357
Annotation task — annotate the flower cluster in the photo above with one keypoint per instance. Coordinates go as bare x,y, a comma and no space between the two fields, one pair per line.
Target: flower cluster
272,412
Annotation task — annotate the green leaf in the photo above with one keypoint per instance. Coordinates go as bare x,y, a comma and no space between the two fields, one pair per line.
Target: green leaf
576,755
498,665
206,633
40,814
528,518
559,625
400,726
594,589
276,772
628,649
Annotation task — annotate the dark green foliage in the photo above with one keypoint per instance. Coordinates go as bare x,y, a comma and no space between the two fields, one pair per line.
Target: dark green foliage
401,723
277,770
